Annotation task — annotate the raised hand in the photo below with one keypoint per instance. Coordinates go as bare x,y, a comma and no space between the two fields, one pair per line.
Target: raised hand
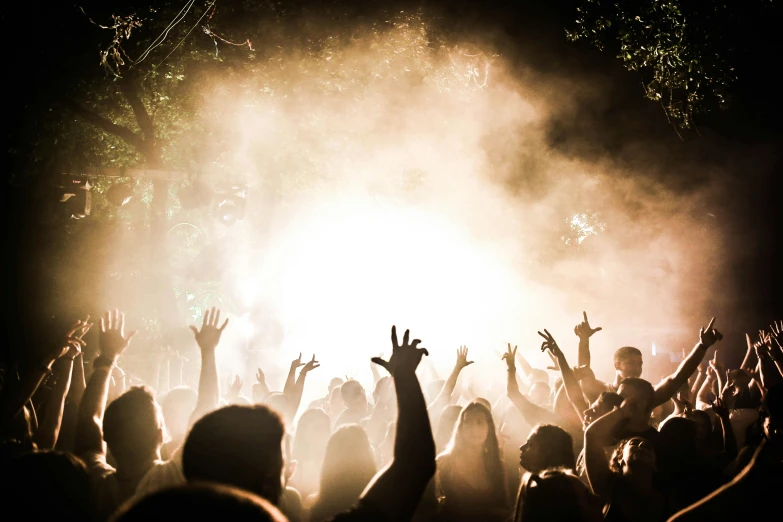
260,377
510,357
209,335
709,336
716,365
235,388
112,339
405,357
297,363
555,363
311,365
72,343
550,344
462,357
720,407
583,330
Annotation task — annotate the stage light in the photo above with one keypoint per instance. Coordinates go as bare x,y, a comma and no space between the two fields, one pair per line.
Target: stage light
119,194
77,197
230,206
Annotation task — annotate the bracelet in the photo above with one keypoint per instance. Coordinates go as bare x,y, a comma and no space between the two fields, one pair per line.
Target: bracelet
44,368
103,362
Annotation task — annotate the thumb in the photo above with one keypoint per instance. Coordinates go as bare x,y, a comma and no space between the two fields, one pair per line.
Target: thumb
597,329
193,329
380,362
131,334
468,363
551,368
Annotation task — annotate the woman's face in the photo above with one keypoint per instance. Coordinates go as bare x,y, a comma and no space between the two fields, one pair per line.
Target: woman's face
638,452
530,453
475,428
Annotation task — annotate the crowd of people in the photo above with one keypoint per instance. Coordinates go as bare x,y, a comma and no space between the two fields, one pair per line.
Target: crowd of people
705,443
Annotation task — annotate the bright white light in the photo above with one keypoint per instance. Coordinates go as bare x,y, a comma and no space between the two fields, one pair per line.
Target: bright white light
350,268
654,350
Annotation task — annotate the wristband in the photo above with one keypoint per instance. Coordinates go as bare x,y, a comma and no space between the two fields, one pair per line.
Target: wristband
103,362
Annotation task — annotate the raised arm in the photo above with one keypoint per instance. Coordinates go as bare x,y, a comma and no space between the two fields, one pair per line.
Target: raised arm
290,381
701,374
598,436
706,388
532,413
444,397
584,332
112,341
208,387
397,490
296,398
571,385
49,427
666,389
723,423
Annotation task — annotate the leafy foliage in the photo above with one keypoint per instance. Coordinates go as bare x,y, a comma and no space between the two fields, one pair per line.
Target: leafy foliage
685,51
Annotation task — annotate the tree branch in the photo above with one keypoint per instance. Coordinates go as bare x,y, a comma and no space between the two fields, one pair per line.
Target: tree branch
106,125
143,119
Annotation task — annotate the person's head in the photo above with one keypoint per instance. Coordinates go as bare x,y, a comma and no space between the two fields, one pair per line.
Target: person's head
537,375
349,465
312,434
240,446
336,382
48,485
547,446
556,494
539,393
605,403
203,501
384,391
446,422
133,427
738,378
641,395
677,442
474,431
772,409
633,455
178,406
703,426
628,362
353,395
278,401
485,402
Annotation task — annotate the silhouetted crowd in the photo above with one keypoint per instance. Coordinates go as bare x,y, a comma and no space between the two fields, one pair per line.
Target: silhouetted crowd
705,443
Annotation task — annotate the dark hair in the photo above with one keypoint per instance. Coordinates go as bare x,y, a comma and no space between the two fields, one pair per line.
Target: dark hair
47,485
611,399
349,465
132,424
558,446
625,353
445,428
644,388
615,460
312,434
550,495
239,446
202,501
491,450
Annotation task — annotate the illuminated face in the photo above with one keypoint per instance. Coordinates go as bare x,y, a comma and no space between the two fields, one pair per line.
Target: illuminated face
638,452
630,367
475,428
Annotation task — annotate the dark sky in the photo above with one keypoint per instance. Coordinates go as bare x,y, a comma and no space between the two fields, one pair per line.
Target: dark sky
40,43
